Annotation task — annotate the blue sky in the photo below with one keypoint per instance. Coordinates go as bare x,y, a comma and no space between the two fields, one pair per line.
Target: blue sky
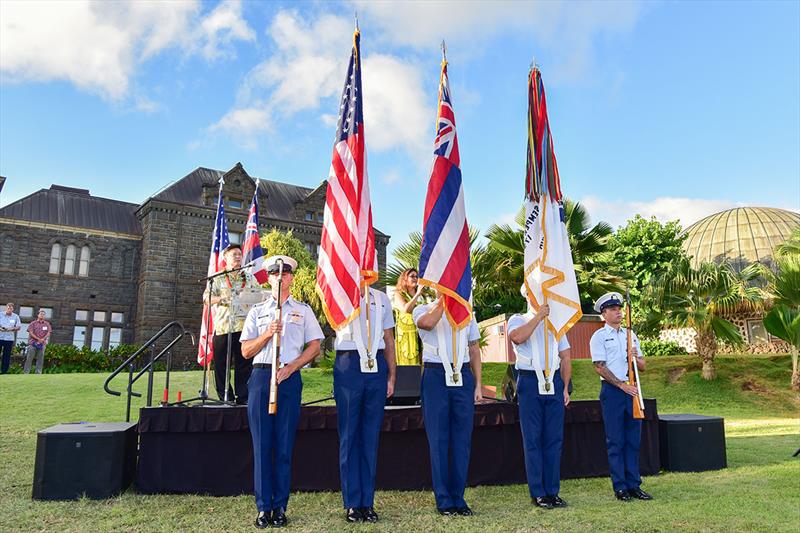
670,109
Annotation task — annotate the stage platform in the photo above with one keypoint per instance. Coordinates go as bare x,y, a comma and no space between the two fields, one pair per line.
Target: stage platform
207,450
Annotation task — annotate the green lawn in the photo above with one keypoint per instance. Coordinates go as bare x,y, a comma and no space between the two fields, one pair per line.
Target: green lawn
759,491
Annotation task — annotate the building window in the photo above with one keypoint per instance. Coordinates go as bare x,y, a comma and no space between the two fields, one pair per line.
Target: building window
81,315
22,334
234,204
235,237
99,316
69,262
757,332
98,334
55,258
79,336
309,247
25,311
320,217
117,318
114,337
83,266
309,216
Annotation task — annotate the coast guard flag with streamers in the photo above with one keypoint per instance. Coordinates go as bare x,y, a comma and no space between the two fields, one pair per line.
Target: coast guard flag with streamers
549,270
251,247
444,262
220,241
347,258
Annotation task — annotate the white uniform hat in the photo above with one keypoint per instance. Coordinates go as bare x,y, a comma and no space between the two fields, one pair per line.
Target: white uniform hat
272,264
609,299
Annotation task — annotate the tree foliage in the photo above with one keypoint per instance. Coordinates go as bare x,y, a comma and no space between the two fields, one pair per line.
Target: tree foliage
305,277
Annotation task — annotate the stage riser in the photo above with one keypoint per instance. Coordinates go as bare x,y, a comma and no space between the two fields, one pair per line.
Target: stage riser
209,450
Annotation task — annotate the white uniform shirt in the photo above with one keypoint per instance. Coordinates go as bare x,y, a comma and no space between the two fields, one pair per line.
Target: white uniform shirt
8,321
430,338
300,327
611,346
344,340
537,338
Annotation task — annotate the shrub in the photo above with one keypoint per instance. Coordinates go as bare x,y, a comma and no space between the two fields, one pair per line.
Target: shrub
66,358
658,348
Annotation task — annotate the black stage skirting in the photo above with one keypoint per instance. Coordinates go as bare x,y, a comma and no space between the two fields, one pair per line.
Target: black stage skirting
207,450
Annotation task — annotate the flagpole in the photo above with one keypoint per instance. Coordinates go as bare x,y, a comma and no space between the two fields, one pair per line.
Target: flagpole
207,383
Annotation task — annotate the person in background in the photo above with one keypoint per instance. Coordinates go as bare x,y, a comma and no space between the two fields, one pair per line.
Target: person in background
407,296
9,325
38,336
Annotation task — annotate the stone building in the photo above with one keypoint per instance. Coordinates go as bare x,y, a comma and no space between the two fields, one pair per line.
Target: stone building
741,236
111,272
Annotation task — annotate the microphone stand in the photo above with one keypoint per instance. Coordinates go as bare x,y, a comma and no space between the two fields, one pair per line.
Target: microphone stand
203,393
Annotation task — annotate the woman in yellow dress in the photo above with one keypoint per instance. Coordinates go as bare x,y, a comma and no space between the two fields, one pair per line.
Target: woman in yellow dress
406,297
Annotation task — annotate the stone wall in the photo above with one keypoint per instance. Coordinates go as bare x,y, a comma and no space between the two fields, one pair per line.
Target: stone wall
110,285
750,328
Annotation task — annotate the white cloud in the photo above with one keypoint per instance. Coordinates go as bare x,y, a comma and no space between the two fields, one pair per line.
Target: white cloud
308,67
391,177
567,28
246,123
98,46
686,210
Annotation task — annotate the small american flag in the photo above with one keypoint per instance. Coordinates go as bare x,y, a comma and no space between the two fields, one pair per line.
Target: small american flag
215,263
444,262
347,256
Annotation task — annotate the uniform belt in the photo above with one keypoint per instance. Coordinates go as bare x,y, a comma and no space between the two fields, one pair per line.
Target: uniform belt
340,353
532,372
262,365
439,365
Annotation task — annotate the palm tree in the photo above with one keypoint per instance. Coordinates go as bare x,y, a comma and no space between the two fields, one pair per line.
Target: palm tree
700,298
783,320
588,245
791,247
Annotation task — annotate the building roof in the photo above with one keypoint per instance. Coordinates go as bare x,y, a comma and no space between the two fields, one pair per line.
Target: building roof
743,235
67,206
280,197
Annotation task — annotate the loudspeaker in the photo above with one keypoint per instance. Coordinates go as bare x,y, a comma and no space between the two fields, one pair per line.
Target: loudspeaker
692,443
95,459
406,386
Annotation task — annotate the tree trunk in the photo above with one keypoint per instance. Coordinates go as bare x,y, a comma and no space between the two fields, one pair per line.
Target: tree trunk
707,348
795,373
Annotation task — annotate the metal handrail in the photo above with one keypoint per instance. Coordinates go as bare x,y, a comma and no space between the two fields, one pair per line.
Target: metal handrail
149,367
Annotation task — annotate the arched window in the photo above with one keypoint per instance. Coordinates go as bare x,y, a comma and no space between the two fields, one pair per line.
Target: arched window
55,258
83,266
69,261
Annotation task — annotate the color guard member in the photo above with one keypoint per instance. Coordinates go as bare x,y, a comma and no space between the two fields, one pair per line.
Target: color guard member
273,435
609,348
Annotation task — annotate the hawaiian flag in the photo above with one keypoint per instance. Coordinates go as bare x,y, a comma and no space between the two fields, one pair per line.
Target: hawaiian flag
251,247
444,262
549,270
220,241
347,258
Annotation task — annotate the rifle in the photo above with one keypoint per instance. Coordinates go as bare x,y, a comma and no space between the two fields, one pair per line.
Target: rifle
276,349
633,369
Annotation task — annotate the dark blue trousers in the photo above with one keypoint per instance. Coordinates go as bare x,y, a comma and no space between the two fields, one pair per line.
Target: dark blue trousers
448,413
542,422
623,435
360,399
6,347
273,437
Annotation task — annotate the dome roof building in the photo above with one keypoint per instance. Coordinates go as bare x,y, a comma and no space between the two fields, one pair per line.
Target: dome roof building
742,235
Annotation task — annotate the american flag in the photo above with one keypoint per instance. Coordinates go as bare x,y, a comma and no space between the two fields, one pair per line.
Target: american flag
251,247
444,262
347,258
549,269
215,263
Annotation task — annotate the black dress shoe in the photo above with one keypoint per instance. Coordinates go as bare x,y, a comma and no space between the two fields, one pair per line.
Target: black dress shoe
353,515
279,518
556,501
446,511
263,520
622,495
543,502
640,494
369,514
464,511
